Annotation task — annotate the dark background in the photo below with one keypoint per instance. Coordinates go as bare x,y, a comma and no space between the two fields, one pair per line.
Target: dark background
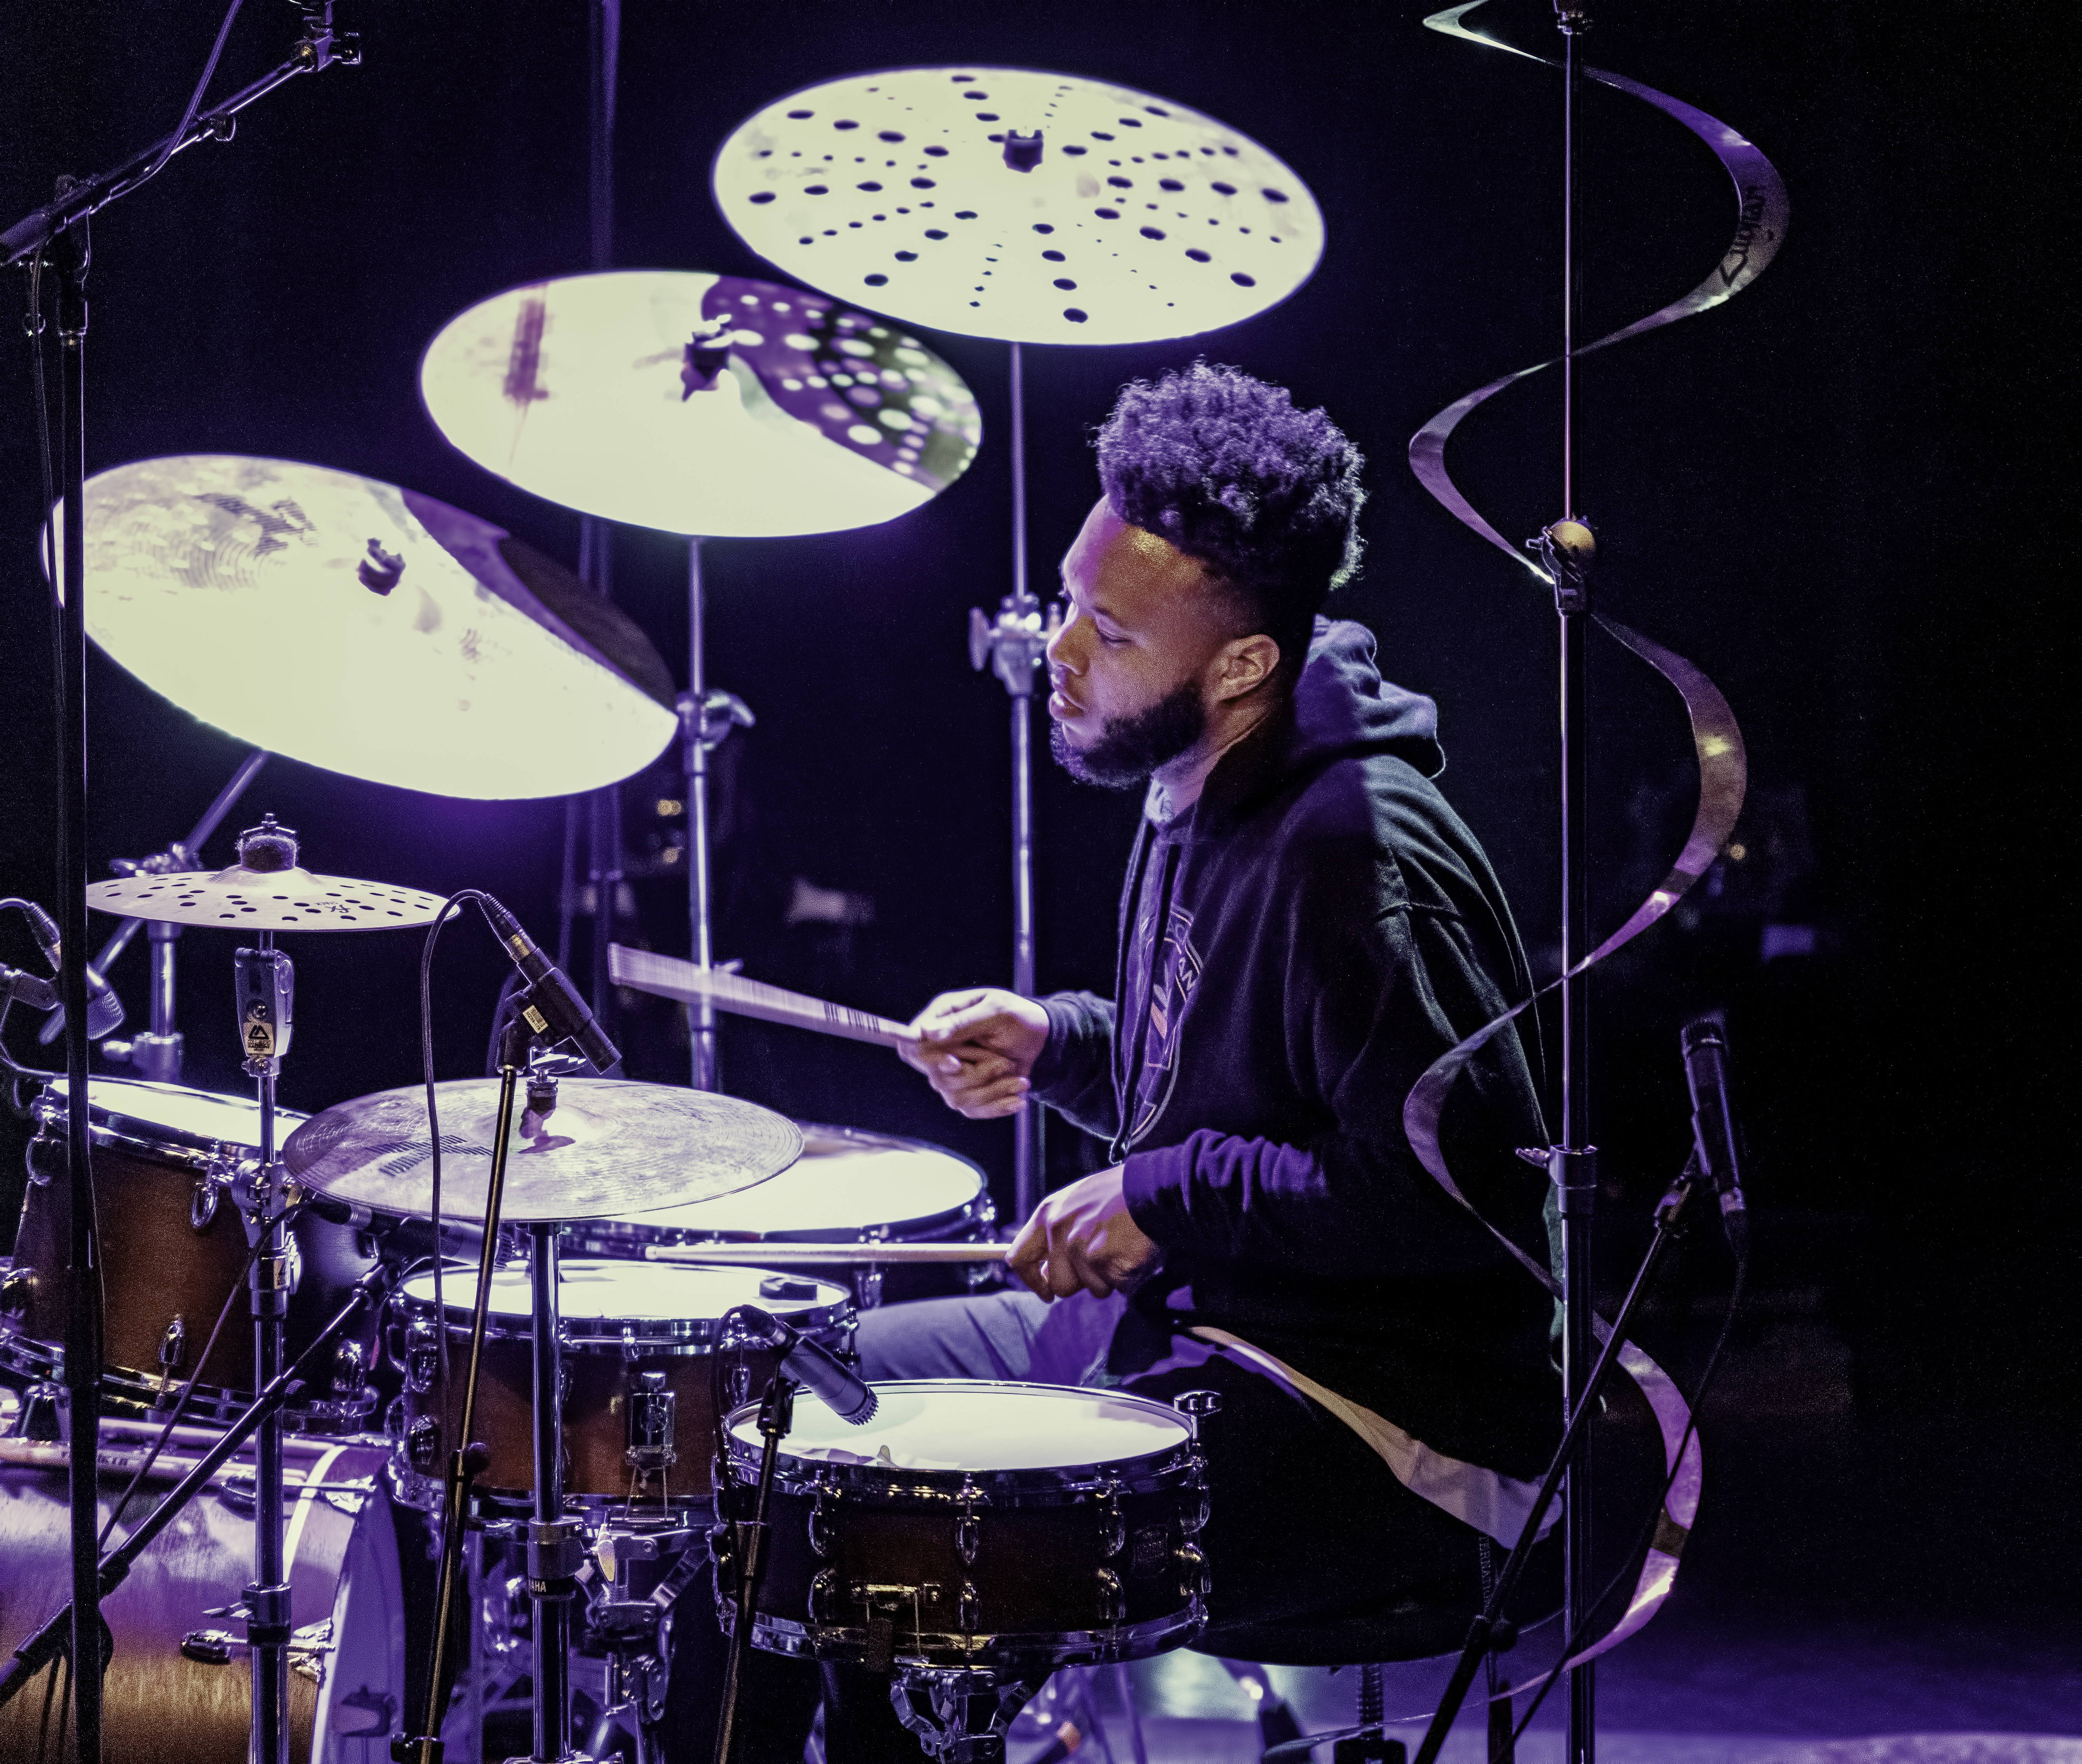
1837,494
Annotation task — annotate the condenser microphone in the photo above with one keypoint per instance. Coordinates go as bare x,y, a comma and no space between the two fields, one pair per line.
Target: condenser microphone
1713,1137
846,1393
552,1004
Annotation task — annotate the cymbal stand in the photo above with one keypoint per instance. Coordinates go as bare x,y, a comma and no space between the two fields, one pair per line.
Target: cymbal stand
56,237
156,1053
1013,645
707,715
267,1000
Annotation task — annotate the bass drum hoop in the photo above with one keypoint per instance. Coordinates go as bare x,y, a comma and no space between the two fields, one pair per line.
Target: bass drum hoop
156,1141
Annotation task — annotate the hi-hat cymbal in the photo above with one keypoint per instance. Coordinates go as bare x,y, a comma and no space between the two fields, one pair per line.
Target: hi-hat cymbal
700,404
1010,203
367,630
241,899
608,1147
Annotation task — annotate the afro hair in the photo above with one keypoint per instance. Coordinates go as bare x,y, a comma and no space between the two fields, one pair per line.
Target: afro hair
1266,496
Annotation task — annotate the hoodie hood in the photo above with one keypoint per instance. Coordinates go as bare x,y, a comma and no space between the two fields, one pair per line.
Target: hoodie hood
1341,707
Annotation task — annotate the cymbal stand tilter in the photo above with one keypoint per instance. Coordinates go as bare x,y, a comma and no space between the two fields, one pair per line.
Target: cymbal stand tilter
1013,645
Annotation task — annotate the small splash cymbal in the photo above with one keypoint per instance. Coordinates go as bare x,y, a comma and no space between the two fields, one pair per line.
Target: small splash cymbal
241,899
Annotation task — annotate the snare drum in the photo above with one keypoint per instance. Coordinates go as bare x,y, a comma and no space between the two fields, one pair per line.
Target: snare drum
173,1173
639,1342
1012,1528
848,1186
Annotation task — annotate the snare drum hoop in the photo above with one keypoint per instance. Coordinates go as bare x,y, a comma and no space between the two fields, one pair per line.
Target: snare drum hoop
1152,1472
649,1338
125,1130
974,1217
1026,1652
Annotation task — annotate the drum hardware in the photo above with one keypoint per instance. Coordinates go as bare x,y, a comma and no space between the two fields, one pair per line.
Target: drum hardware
777,1412
156,1052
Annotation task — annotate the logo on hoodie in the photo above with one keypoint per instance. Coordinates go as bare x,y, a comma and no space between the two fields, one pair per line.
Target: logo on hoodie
1171,972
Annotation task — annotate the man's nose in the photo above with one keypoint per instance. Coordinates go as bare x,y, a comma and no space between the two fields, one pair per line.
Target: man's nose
1065,649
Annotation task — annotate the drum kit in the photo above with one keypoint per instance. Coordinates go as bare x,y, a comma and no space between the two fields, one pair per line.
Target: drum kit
605,1402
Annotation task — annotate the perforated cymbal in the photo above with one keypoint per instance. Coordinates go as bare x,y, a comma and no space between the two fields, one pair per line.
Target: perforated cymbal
700,404
366,628
241,899
608,1148
1139,220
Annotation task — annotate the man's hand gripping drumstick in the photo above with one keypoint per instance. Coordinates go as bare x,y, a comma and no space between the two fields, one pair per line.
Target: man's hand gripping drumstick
977,1049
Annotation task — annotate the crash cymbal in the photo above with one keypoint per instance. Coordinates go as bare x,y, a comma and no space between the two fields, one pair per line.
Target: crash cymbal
265,900
1010,203
700,404
366,628
608,1148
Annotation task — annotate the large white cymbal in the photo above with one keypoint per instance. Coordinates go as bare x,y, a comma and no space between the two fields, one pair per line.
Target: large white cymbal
819,418
1141,219
365,628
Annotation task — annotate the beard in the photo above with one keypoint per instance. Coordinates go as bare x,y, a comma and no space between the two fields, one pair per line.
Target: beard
1130,748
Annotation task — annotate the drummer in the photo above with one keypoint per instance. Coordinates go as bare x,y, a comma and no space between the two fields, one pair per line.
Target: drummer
1305,925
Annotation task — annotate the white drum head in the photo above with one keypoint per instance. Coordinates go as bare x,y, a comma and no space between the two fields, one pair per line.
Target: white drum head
592,1292
955,1424
193,1114
841,1185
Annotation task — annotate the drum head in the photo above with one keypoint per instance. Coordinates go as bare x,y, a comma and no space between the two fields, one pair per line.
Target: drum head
174,1114
597,1295
962,1424
844,1184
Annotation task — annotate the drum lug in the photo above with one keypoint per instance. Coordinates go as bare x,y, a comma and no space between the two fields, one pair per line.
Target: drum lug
17,1291
822,1523
422,1444
1113,1602
173,1350
1194,1581
423,1356
44,1155
867,1281
969,1609
1113,1528
209,1190
968,1529
823,1600
652,1410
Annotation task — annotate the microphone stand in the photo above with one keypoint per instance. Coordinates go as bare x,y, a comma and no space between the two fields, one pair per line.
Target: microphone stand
1491,1631
777,1415
469,1459
113,1568
58,233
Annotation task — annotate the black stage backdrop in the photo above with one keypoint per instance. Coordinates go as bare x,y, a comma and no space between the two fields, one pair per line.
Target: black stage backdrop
1836,493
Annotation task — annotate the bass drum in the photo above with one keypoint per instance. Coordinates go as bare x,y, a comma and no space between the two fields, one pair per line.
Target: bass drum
168,1703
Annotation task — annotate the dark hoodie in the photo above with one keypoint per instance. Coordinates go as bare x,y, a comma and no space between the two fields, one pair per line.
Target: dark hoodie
1295,950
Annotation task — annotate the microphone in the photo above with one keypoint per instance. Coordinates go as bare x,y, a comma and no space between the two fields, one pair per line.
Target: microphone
335,1211
846,1394
29,989
1705,1049
552,1003
105,1009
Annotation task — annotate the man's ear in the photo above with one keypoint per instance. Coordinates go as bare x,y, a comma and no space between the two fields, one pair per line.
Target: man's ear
1245,663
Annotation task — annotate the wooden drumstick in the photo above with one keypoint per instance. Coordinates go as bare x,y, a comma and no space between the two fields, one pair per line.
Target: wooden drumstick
769,1252
669,977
